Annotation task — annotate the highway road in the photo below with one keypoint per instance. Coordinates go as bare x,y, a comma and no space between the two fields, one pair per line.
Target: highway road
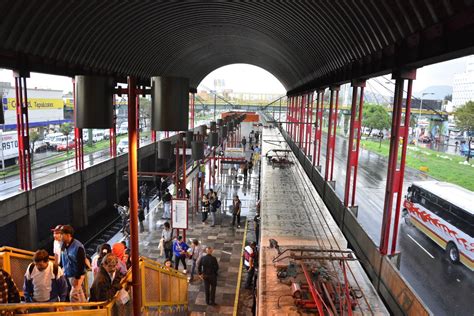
444,287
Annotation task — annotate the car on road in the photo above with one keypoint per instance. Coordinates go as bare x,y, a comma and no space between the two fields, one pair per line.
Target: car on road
123,145
65,145
40,146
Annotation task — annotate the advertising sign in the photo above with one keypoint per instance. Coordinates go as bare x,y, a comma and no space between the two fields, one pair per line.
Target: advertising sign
179,213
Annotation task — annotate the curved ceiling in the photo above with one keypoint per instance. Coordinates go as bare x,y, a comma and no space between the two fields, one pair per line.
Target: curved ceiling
305,44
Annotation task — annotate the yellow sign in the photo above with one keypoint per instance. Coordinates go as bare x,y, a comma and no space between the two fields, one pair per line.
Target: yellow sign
38,104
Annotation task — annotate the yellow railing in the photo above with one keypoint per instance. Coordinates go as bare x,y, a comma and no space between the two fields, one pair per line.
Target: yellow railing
164,290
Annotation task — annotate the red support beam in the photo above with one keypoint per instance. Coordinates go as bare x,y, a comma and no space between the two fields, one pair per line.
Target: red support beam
153,136
354,140
23,130
301,122
137,113
133,191
309,124
192,110
396,167
318,132
113,133
78,141
331,143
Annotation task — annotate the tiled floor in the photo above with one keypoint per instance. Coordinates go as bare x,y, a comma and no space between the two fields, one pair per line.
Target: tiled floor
226,240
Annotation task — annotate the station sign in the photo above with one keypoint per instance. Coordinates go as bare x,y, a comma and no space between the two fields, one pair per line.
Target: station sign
179,213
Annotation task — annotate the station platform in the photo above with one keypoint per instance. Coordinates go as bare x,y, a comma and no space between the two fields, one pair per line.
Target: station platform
226,240
293,214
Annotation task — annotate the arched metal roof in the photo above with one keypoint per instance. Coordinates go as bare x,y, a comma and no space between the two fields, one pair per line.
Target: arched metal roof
305,44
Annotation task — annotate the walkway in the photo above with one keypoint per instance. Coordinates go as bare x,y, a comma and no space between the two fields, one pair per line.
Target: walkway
226,240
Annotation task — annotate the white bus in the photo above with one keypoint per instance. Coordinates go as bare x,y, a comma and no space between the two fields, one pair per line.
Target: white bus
445,213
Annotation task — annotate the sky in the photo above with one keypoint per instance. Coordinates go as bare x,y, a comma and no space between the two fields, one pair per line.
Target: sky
249,78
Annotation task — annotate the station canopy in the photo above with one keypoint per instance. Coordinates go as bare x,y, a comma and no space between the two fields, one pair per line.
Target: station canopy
305,44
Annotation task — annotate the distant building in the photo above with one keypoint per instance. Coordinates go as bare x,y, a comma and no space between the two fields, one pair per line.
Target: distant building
45,106
463,85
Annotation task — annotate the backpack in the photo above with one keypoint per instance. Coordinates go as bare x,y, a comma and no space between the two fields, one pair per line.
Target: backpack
55,269
217,204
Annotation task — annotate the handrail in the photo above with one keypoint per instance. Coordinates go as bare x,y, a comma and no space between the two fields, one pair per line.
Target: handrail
17,306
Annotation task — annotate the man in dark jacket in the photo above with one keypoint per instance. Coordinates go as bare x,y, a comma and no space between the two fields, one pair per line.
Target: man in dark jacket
73,261
44,280
208,268
107,281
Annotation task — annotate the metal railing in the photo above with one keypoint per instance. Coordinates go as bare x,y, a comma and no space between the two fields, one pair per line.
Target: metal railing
164,290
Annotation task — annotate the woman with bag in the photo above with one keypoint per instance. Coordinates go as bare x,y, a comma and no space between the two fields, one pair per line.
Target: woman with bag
167,238
205,205
236,207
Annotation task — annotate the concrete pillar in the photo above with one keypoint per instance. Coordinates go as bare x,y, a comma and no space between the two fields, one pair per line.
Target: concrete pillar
27,230
79,207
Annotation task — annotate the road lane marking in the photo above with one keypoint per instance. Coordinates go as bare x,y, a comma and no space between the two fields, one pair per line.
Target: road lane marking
429,254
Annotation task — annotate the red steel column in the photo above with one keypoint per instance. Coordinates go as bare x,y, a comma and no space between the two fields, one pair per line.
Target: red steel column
354,140
309,122
301,122
76,130
192,110
333,105
293,119
113,133
319,127
133,191
137,123
23,130
394,174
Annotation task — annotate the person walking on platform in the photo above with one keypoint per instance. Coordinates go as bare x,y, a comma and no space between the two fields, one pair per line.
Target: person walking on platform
44,281
196,252
167,236
73,261
257,135
107,281
212,197
245,170
8,291
251,137
236,208
180,248
244,142
205,206
167,204
57,243
141,218
208,268
250,256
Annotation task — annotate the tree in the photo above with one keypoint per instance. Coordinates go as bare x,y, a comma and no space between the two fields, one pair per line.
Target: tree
66,129
464,118
375,117
34,136
448,97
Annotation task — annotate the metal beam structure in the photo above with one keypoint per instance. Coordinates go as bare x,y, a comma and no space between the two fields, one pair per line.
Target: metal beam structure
318,131
354,140
133,193
396,165
23,130
78,140
332,126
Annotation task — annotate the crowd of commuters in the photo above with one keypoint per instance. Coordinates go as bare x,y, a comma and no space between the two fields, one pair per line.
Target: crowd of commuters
62,279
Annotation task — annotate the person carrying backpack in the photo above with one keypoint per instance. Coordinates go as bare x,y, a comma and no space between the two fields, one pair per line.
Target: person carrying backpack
44,280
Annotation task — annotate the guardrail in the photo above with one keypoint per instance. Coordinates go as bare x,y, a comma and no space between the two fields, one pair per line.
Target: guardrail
164,290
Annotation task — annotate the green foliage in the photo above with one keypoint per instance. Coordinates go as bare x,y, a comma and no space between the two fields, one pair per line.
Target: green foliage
464,116
449,170
375,117
66,129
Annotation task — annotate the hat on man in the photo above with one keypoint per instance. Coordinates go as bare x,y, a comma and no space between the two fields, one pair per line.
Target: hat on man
57,229
67,229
